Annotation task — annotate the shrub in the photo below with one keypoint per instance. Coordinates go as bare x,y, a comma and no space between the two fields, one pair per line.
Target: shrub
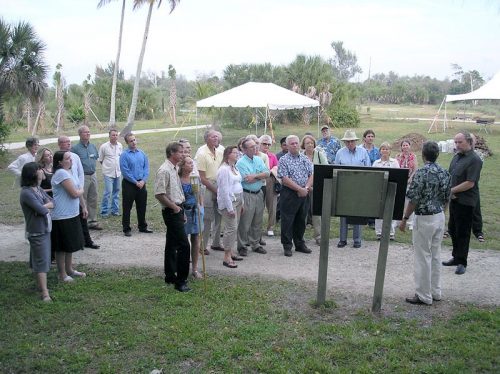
344,115
76,114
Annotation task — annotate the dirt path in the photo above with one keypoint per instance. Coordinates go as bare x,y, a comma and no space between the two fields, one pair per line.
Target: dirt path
350,270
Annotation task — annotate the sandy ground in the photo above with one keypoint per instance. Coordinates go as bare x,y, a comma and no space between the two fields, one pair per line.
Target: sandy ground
351,271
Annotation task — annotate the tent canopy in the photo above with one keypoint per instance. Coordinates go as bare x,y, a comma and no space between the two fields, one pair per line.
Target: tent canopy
258,95
489,91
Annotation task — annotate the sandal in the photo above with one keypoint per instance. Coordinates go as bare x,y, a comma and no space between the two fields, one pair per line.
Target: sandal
230,265
196,274
46,299
236,258
77,274
66,279
480,238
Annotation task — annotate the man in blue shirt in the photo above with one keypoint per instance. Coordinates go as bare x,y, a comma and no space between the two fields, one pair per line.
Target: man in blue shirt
329,143
373,152
134,165
352,155
88,156
253,172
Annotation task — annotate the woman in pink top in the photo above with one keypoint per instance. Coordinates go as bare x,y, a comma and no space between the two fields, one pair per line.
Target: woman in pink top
408,160
271,195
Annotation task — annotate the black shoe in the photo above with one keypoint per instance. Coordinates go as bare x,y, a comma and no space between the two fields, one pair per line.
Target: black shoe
460,270
243,252
146,231
169,280
303,249
260,250
127,233
182,287
450,262
217,248
288,252
262,242
356,245
415,300
341,244
92,245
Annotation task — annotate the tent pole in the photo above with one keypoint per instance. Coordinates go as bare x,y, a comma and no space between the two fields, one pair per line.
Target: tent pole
256,121
445,125
318,123
265,120
436,117
196,130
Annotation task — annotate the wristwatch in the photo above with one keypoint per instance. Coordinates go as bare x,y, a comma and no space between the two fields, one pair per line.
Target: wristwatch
406,218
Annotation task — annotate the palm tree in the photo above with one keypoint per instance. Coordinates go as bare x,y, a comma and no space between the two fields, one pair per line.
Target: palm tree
59,84
112,120
22,67
135,92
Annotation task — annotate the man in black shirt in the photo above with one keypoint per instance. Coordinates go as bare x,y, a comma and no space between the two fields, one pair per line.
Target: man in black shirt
465,170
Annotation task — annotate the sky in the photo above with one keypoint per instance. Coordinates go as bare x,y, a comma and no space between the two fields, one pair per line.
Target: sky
202,37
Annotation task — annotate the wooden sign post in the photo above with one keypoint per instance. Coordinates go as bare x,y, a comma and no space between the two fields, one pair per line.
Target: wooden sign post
357,193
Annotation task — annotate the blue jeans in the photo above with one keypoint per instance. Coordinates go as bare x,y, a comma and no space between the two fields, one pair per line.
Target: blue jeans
111,190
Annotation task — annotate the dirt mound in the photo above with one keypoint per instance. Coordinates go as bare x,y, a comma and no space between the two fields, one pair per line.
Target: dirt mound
416,142
481,147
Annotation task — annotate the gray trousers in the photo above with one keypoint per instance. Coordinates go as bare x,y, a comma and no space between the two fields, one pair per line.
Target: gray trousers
356,232
212,216
250,226
90,196
427,237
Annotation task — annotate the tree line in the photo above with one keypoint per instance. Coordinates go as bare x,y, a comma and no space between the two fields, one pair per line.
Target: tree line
26,99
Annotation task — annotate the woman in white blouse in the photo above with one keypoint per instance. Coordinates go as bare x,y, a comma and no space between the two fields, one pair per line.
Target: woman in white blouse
230,202
385,161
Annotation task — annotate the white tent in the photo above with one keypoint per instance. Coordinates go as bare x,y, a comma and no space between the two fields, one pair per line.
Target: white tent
258,95
489,91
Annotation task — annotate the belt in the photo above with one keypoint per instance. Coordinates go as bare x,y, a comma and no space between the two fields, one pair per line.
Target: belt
426,214
90,173
253,192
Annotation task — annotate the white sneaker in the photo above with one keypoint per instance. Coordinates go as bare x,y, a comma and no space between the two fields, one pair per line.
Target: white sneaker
270,233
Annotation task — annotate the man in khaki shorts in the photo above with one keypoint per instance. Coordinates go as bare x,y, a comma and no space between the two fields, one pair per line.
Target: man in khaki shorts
208,159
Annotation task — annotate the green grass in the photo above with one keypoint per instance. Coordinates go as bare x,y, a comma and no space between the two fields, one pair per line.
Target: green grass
390,130
129,321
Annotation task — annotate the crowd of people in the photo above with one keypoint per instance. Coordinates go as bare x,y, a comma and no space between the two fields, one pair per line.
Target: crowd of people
224,192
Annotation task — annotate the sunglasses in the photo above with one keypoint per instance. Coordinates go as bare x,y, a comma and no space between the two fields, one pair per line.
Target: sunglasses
268,144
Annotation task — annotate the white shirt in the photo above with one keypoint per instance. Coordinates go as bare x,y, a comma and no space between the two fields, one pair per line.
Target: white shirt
16,166
228,185
392,163
77,170
109,157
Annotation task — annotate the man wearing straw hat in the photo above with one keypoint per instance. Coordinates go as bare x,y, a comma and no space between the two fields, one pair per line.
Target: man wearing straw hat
352,155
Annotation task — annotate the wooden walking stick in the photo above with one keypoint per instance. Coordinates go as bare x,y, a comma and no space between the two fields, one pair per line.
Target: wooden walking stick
196,186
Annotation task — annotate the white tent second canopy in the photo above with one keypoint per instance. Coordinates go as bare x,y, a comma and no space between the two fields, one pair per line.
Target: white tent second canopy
489,91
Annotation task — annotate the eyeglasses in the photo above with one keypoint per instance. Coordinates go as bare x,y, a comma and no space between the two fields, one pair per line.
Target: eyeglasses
266,144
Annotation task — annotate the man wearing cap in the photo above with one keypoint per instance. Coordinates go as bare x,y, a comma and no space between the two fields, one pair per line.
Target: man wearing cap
351,155
296,172
329,143
88,155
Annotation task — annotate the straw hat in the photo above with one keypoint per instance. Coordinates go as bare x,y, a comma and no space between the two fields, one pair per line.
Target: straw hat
350,135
